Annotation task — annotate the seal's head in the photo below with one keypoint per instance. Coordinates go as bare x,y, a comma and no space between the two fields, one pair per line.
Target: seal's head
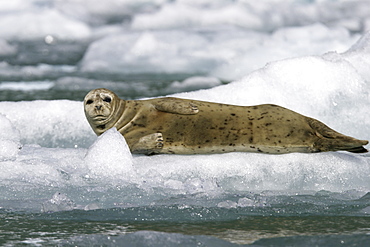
101,106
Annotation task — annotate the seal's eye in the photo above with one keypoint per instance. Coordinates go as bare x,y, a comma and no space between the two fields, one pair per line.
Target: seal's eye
107,99
89,102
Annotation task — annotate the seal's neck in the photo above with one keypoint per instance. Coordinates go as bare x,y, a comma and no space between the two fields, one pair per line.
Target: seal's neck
127,114
118,110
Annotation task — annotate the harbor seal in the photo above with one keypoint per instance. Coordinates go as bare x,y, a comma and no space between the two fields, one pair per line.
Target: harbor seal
180,126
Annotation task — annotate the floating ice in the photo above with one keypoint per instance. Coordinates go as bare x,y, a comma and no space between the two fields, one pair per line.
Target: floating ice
246,202
97,12
26,86
39,23
224,53
16,5
110,157
50,123
40,71
59,202
227,204
184,15
194,83
6,49
264,16
149,52
252,53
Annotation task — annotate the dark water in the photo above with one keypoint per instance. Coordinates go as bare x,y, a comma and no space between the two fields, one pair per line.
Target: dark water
78,228
319,220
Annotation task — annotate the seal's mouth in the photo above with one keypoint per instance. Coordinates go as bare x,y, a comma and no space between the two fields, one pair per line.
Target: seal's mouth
99,117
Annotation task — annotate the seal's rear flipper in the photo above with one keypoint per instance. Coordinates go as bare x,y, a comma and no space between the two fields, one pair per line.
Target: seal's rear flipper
358,150
342,143
330,140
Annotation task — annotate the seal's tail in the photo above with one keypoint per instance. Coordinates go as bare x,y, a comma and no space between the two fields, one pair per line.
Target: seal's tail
330,140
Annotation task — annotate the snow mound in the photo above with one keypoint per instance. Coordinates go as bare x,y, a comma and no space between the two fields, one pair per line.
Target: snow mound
110,156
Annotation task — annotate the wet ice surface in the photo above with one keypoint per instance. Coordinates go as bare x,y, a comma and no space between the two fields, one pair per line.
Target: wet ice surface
309,56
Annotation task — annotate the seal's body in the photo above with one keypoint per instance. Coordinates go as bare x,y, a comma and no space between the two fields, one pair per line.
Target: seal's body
180,126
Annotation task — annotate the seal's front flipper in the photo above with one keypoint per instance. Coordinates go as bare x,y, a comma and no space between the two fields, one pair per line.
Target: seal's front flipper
149,144
330,140
176,106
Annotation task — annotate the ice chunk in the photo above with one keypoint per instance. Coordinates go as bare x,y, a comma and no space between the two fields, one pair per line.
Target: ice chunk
26,86
227,204
110,157
251,52
102,12
359,56
246,202
59,202
39,23
261,15
6,49
33,72
174,184
60,123
9,139
194,83
149,52
196,185
183,15
365,210
313,36
92,206
226,53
